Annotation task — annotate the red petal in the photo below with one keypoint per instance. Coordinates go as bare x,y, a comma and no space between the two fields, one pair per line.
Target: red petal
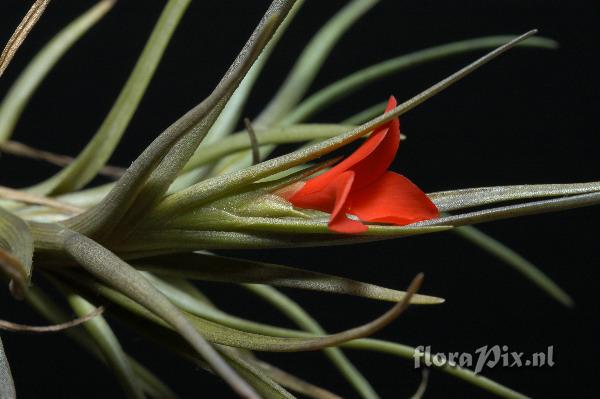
368,162
338,221
391,199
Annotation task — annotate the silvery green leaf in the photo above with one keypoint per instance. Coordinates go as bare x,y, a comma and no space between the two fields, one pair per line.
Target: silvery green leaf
107,267
359,79
207,267
454,200
219,186
154,170
302,74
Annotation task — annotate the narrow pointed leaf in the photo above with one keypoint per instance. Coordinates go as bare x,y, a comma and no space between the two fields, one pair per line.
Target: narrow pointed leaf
206,267
232,112
106,266
46,307
516,261
155,242
299,316
367,114
220,185
359,79
223,335
410,353
109,345
473,197
303,73
395,349
277,135
104,218
311,60
173,162
510,211
21,91
97,152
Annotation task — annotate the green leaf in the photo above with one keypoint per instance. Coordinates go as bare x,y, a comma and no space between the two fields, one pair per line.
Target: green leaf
410,353
109,268
7,386
311,60
510,211
171,150
152,242
516,261
473,197
16,252
220,185
108,344
359,79
277,135
303,73
223,335
403,351
366,114
231,113
21,91
299,316
305,321
205,267
97,152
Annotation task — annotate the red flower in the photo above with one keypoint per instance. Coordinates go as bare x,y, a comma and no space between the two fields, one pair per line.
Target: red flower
362,186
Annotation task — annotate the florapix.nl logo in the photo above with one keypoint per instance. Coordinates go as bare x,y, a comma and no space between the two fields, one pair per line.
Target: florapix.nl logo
483,357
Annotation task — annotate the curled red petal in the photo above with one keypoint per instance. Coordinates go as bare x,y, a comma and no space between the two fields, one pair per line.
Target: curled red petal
391,199
339,222
368,162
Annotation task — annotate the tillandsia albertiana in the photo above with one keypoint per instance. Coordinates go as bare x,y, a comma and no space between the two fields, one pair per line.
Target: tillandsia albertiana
199,186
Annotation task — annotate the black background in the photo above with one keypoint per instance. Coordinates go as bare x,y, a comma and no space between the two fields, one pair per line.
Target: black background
529,117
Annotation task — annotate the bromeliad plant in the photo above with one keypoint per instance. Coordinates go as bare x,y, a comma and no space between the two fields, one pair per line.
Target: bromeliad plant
138,242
